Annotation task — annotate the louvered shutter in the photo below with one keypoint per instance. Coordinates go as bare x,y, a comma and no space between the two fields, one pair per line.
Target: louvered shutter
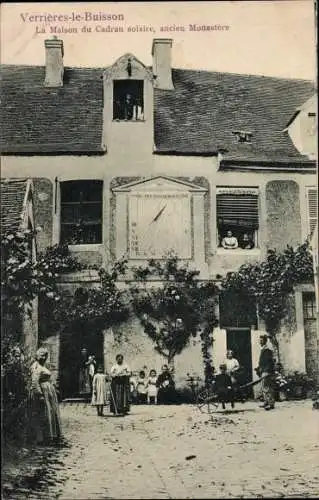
312,206
238,210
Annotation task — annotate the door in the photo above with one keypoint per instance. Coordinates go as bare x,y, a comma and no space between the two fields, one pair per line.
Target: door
72,345
239,341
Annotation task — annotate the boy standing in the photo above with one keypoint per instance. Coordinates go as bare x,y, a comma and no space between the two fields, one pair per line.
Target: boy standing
224,387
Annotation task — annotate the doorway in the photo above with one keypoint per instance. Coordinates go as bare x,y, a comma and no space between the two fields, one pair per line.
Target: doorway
72,342
238,340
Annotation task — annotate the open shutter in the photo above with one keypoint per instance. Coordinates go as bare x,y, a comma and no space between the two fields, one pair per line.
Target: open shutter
237,210
312,207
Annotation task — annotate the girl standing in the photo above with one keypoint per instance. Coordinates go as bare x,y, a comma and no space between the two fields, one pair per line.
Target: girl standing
141,388
151,387
99,391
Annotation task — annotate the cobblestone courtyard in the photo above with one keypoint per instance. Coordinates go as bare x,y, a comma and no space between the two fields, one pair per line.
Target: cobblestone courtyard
178,452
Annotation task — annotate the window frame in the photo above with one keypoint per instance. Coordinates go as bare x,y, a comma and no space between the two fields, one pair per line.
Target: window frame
122,81
81,203
254,191
309,304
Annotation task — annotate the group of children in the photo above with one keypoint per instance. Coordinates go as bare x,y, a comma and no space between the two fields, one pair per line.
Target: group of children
144,389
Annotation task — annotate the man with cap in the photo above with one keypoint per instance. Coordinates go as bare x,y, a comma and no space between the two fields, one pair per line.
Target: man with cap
265,370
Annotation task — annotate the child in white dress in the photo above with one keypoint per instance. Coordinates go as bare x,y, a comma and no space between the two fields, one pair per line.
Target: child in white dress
151,387
99,398
141,388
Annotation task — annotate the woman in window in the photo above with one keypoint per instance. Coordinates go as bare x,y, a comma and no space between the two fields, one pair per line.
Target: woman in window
246,242
229,242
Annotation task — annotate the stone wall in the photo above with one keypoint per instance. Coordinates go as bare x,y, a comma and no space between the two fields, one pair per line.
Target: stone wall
138,350
43,207
291,340
282,211
283,214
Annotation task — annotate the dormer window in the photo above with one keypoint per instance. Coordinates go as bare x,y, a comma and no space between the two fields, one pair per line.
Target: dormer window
243,136
128,100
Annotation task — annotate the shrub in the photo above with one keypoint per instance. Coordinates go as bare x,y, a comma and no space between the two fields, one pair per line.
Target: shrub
15,379
179,309
299,385
296,385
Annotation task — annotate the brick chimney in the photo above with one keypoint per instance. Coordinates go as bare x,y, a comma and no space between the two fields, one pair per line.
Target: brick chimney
162,63
53,63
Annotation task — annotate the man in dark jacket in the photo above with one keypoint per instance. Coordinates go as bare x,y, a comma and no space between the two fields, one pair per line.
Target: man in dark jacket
265,370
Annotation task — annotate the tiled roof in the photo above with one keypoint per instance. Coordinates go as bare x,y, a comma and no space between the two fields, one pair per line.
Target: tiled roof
198,117
12,194
37,119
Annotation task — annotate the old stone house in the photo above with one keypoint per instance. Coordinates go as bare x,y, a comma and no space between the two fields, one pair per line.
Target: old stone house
135,161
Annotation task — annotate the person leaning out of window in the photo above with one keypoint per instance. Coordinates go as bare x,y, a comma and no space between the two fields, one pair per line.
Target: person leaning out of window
229,242
246,242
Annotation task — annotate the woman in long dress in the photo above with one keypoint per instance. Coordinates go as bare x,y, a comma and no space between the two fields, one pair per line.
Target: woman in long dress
120,387
45,414
166,386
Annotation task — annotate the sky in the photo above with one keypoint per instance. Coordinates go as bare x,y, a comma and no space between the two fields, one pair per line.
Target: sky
273,38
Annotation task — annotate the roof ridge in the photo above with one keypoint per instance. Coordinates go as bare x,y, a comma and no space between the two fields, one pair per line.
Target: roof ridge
194,70
42,66
247,75
6,180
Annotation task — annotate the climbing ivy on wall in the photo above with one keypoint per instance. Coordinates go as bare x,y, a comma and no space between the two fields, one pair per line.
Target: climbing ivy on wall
23,278
93,309
270,282
177,308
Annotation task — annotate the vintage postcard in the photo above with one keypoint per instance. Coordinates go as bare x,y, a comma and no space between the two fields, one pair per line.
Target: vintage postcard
159,258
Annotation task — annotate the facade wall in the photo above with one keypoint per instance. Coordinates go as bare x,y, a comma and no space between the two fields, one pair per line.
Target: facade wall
283,214
130,146
281,210
139,353
272,233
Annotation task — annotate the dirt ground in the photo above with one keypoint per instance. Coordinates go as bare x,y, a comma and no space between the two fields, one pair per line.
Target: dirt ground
177,452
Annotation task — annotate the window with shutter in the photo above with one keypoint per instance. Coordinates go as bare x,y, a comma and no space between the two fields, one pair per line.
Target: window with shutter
237,217
81,212
312,206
